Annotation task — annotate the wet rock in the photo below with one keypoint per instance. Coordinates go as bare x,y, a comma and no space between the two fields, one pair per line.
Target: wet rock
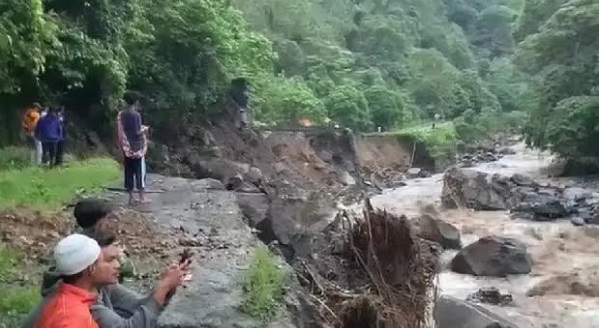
493,256
450,312
522,180
506,151
477,190
577,221
439,231
414,173
491,295
549,208
214,296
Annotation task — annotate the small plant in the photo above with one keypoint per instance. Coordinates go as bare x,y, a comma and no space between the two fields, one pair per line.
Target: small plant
16,300
263,286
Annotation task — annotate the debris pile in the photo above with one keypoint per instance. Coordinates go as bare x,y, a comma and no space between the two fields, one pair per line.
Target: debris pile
379,275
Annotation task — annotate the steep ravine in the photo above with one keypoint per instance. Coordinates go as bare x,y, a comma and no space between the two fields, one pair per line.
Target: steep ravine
564,256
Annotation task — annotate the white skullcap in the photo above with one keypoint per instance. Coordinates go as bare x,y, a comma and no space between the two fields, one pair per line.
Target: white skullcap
75,253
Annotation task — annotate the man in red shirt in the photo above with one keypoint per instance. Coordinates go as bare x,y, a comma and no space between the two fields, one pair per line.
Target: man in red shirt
85,268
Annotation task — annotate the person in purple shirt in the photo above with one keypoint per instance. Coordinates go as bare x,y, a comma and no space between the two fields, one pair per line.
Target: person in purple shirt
49,133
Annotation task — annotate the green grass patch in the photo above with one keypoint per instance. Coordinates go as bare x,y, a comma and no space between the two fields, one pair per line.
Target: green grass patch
263,286
14,158
16,300
440,142
49,189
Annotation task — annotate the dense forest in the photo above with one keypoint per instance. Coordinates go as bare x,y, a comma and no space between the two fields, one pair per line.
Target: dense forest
485,65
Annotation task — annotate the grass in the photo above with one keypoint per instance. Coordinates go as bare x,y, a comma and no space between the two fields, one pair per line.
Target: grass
441,141
16,301
263,286
49,189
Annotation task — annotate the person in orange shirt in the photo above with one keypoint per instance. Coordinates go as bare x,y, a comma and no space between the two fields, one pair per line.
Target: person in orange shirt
29,124
85,267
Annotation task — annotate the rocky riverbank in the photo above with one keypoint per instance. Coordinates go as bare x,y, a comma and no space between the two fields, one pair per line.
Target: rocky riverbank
529,241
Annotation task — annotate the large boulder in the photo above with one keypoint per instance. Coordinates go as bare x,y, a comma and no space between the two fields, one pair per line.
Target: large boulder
477,190
493,256
450,312
519,193
214,296
439,231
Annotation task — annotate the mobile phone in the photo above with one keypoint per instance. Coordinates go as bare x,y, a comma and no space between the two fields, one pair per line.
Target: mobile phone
185,255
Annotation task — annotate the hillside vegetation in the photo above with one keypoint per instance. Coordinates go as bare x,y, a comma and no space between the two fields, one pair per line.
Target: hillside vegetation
361,63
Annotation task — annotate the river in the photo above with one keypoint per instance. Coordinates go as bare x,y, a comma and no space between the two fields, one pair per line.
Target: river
565,257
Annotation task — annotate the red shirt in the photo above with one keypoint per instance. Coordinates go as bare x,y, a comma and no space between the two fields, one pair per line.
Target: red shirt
69,308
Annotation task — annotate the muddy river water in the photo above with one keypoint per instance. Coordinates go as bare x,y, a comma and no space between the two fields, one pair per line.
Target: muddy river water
566,257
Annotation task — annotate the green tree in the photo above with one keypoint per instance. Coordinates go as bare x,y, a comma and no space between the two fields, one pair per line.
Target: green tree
347,106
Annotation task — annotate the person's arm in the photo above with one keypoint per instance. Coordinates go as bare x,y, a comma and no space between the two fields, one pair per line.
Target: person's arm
138,126
129,310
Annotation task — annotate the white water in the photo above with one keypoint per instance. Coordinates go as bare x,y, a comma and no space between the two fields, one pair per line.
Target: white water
563,254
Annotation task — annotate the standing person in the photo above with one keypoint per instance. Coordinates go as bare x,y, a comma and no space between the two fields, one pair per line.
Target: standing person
436,117
49,132
29,125
132,143
84,269
61,142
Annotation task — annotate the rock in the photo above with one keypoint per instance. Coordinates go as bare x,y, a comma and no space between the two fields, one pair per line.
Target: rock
576,194
523,180
491,295
247,187
549,208
493,256
413,173
434,229
325,156
506,151
450,312
254,175
477,190
280,167
214,296
577,221
235,182
346,178
254,206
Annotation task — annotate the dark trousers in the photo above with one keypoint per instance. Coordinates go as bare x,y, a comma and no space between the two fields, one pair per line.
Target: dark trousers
133,174
59,152
49,152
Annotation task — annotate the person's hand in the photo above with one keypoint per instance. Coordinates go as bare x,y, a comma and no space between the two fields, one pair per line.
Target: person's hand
170,280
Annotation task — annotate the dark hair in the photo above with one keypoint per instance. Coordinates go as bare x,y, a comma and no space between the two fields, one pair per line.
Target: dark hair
105,240
37,105
72,279
91,210
131,97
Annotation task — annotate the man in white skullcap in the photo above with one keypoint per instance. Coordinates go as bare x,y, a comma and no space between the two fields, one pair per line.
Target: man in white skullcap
84,268
115,306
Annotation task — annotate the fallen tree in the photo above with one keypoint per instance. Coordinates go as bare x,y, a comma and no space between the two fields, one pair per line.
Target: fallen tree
373,272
